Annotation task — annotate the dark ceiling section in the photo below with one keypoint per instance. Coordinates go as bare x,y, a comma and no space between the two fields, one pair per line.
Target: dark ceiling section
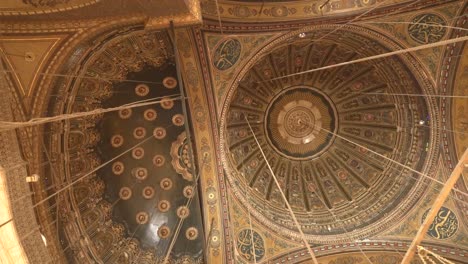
300,122
129,210
148,192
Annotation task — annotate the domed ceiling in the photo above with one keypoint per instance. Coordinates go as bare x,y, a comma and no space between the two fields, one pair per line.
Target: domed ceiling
321,131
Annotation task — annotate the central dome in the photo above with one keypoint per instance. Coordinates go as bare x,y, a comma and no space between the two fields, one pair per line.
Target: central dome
294,122
324,135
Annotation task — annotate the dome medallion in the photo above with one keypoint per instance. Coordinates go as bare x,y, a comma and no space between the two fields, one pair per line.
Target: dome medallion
294,122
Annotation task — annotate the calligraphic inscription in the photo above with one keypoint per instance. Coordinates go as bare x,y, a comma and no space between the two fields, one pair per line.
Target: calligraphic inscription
427,28
445,224
250,248
227,54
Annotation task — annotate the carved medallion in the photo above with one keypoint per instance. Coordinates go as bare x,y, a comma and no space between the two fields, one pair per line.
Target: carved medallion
167,103
191,233
445,224
118,168
170,82
226,54
159,160
142,90
117,141
166,184
294,123
139,132
140,173
427,28
159,133
164,206
183,212
178,120
150,114
164,231
142,218
125,113
125,193
188,191
250,248
148,192
138,153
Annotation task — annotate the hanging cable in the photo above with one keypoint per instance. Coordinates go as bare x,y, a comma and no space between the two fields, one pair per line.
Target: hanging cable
379,56
5,125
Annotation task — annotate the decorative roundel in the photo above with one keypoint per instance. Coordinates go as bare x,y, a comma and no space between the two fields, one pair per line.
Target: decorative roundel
178,120
170,82
139,132
191,233
125,193
142,218
150,114
250,244
211,195
142,90
167,103
159,132
138,153
125,113
118,168
117,141
159,160
148,192
183,212
420,32
164,231
166,184
164,206
140,173
227,53
188,191
445,224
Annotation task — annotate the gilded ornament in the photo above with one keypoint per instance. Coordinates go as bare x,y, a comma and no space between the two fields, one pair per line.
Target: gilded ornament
125,193
140,173
139,133
181,158
159,133
170,82
167,103
191,233
138,153
117,141
178,119
183,212
159,160
148,192
142,218
166,184
164,231
142,90
118,168
150,114
188,191
164,206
